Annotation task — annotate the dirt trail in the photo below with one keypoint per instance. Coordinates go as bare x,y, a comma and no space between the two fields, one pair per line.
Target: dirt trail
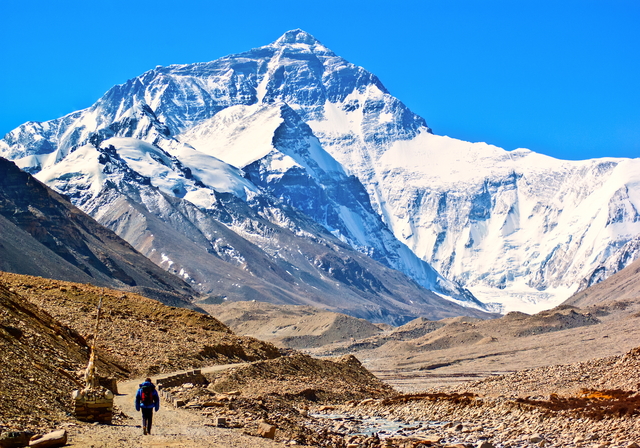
172,427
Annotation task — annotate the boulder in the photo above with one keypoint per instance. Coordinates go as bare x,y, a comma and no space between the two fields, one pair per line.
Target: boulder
53,439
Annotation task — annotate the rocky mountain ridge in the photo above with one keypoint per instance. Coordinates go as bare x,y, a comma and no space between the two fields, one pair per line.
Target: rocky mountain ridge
424,353
43,234
313,132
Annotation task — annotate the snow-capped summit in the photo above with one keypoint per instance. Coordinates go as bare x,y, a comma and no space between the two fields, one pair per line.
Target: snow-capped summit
290,127
296,36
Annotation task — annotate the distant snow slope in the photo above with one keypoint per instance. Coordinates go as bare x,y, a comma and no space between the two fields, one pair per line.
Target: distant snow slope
515,227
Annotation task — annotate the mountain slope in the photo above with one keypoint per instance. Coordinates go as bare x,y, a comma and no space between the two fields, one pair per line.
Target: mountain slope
516,227
164,102
231,249
43,234
40,356
280,154
623,286
290,326
312,131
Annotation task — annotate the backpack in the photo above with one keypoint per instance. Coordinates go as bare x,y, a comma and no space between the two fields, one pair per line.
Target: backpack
146,396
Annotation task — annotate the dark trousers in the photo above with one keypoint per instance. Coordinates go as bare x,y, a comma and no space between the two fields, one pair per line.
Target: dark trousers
147,419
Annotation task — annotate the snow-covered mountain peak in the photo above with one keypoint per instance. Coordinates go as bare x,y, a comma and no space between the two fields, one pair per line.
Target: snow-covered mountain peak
296,36
311,130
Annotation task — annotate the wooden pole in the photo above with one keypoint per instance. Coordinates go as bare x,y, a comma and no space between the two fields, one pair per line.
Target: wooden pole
91,379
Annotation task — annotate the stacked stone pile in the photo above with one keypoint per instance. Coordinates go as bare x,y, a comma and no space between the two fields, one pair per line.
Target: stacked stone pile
170,386
192,376
93,405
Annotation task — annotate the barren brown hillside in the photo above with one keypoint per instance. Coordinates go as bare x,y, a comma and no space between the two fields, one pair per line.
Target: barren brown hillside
292,326
46,326
40,361
624,285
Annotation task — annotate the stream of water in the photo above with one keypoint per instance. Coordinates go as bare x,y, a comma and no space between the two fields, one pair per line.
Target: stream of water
368,426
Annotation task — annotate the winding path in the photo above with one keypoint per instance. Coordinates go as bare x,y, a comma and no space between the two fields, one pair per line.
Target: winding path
172,427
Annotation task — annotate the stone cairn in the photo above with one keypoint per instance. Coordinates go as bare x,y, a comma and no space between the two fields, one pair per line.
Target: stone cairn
94,403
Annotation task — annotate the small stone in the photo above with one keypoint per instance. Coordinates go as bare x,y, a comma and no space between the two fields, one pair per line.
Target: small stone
326,408
53,439
267,431
484,444
633,445
220,422
536,438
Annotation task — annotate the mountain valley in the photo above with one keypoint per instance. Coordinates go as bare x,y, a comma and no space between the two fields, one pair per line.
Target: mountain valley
298,260
321,401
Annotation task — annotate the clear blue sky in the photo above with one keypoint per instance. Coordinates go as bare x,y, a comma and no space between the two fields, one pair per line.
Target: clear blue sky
559,77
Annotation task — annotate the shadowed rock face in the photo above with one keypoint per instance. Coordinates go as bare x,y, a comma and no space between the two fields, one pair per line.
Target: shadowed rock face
43,234
40,356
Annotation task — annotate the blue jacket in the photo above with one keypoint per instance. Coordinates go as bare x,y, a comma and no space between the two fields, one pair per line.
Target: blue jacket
156,398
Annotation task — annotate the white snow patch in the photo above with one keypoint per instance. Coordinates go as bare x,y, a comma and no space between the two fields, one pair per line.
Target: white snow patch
79,170
166,259
238,135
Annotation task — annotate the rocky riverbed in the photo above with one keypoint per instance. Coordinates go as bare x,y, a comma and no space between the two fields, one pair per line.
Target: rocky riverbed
439,420
591,404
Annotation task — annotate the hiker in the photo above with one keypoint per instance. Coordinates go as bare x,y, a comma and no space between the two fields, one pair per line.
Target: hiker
146,400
